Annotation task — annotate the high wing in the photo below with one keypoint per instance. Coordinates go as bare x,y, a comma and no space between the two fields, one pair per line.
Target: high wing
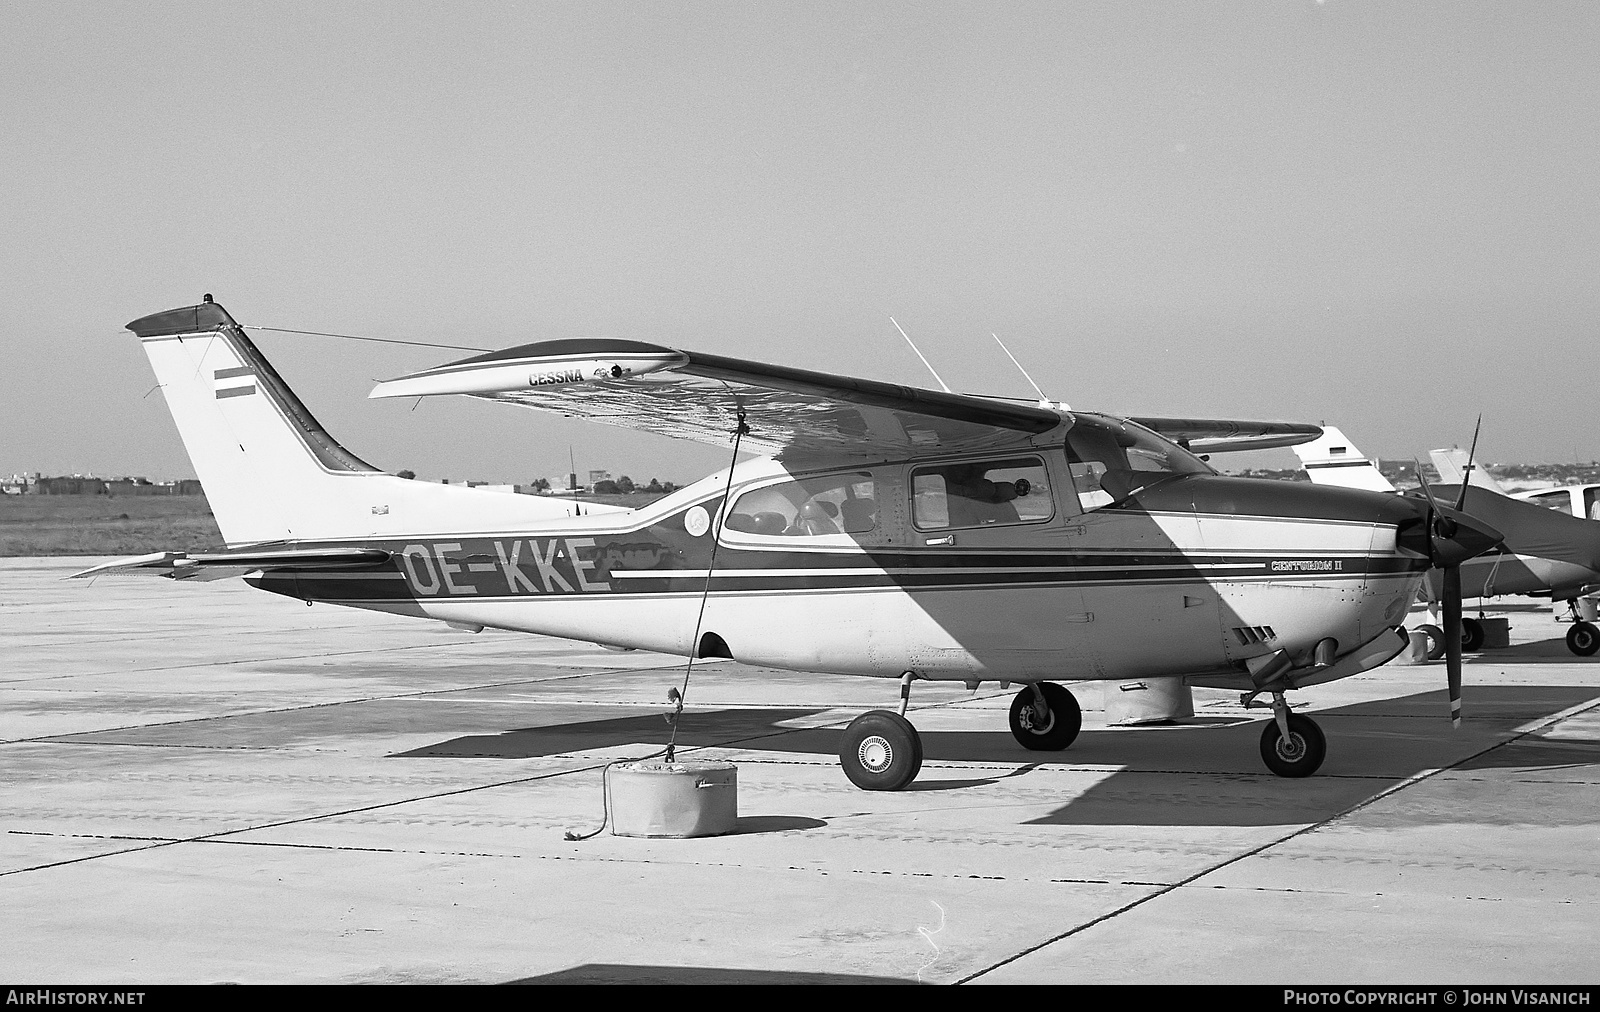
222,565
790,413
1224,435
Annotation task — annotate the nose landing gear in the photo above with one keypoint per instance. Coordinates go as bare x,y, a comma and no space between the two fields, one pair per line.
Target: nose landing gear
1291,745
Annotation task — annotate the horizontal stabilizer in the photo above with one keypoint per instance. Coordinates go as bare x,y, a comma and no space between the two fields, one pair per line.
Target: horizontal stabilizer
221,565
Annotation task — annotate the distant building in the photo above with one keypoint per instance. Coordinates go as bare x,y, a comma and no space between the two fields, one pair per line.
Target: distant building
75,484
79,484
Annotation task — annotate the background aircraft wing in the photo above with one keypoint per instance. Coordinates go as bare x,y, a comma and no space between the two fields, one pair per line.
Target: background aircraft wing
1531,529
791,413
1221,435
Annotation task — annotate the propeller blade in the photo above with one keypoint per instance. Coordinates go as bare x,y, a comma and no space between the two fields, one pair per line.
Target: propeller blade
1452,639
1472,454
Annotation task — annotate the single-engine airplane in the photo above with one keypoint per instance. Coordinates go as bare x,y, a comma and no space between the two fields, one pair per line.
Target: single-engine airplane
1544,553
884,531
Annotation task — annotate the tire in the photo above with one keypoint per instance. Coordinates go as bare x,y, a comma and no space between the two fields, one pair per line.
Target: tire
1061,726
1471,635
1302,755
881,751
1435,641
1583,639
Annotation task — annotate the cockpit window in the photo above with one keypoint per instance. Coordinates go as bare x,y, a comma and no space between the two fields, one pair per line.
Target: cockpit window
981,493
810,507
1111,459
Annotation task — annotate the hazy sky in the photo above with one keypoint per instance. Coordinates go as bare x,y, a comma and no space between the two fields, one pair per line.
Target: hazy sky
1381,215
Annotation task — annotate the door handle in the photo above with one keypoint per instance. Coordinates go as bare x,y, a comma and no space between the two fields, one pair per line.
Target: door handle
948,539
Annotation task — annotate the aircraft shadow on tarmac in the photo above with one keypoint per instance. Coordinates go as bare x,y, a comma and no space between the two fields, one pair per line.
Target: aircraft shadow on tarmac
1371,745
1547,651
617,973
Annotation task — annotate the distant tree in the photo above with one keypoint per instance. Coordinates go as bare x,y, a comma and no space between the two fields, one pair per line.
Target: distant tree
668,486
654,486
541,484
625,485
607,487
407,473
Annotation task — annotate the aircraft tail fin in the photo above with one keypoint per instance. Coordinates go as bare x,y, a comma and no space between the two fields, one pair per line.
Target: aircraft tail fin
271,472
1452,464
1331,459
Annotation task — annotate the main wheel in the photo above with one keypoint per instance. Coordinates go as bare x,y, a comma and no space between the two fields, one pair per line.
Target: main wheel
1583,639
1300,754
881,751
1471,635
1059,726
1435,640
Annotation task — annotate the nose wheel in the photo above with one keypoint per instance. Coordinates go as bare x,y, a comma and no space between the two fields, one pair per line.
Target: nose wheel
1296,754
1045,717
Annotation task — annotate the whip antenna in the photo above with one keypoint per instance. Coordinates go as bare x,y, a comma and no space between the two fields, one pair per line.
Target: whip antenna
925,362
1042,398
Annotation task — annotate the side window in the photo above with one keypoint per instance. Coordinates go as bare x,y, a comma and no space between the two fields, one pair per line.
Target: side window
981,494
810,507
1591,502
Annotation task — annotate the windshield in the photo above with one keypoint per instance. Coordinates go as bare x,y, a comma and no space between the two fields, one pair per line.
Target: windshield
1110,459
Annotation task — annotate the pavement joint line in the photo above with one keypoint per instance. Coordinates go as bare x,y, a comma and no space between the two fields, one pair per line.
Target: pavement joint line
220,834
954,876
1410,781
211,837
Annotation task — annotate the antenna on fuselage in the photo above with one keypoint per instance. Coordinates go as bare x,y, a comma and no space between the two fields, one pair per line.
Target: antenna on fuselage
925,362
1044,402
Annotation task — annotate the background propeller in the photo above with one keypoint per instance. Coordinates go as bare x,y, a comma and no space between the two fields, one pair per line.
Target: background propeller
1455,537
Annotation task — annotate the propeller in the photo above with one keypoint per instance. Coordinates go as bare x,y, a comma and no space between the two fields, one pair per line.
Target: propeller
1455,537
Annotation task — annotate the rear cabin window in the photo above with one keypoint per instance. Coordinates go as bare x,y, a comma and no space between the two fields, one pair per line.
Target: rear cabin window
981,494
809,507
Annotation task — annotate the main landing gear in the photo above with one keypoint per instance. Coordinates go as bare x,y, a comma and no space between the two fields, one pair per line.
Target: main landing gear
1291,745
1583,638
883,752
1045,717
1471,638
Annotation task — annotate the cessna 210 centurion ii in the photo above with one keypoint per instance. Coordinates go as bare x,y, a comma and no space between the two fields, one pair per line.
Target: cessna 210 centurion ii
884,531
